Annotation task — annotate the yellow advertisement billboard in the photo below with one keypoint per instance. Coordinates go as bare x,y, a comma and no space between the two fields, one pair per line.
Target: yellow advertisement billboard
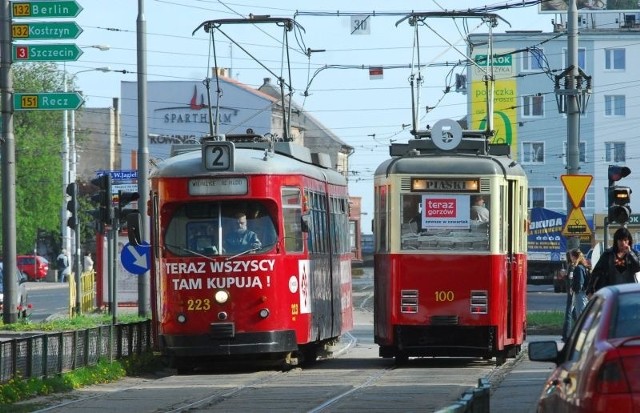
505,100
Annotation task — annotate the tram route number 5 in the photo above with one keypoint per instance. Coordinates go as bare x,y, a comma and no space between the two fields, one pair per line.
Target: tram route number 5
218,155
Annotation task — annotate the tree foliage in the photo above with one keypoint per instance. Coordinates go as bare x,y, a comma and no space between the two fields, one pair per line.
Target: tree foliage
39,145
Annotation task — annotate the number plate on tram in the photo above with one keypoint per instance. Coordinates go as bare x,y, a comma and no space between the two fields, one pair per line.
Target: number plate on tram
218,155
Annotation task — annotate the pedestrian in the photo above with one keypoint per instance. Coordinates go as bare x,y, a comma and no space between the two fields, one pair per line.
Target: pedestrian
62,263
87,262
617,265
567,325
579,282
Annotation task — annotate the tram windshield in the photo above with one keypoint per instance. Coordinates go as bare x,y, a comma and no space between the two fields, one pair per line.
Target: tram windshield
445,222
217,228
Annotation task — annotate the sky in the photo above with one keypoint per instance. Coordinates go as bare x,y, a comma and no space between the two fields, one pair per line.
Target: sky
332,84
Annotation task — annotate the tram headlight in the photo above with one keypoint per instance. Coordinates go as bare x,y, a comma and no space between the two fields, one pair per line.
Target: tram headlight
182,318
264,313
221,296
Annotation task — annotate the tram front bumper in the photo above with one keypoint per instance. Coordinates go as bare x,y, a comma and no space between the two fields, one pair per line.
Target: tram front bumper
239,344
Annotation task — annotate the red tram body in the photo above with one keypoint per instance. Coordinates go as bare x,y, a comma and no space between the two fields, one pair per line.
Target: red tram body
446,284
281,300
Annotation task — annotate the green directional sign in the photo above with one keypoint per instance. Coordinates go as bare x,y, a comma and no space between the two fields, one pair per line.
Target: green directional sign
45,30
62,52
47,101
35,9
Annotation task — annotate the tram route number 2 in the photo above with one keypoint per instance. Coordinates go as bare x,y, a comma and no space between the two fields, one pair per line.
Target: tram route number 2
218,155
444,296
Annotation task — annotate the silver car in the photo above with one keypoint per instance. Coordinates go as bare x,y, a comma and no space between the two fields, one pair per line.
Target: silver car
21,279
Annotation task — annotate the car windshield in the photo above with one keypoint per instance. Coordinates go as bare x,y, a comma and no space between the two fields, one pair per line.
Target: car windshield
627,317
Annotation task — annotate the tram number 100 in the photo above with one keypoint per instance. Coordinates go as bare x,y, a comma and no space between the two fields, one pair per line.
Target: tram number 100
444,296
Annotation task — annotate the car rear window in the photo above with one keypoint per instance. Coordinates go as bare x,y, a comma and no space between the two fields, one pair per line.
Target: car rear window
627,319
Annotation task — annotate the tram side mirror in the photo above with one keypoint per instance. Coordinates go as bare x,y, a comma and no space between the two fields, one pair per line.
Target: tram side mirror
134,223
304,223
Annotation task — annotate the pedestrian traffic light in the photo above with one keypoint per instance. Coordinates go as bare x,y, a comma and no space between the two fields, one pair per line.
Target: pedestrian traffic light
103,199
72,205
619,197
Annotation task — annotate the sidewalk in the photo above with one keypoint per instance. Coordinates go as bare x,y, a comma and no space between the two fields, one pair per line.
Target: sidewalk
516,388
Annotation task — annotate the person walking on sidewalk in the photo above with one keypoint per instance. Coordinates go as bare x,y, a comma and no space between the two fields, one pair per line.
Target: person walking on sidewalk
567,325
62,263
579,282
617,265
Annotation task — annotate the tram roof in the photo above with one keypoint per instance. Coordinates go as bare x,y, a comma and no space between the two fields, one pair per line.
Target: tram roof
248,159
463,164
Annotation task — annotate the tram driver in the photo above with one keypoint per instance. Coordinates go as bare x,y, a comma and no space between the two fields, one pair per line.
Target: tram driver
240,238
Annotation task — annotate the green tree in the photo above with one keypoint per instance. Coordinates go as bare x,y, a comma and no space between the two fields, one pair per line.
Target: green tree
38,141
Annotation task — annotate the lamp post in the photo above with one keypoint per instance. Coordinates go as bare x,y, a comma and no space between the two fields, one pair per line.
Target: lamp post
72,178
67,160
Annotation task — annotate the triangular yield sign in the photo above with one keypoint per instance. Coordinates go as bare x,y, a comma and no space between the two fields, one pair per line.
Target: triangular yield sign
576,186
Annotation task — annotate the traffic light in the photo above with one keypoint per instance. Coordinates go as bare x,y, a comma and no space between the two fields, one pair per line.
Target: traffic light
124,199
104,213
72,205
619,197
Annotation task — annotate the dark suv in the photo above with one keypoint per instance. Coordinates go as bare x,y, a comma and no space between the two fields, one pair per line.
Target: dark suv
34,267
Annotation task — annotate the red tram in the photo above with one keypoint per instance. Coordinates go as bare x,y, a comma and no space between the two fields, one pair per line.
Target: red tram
281,297
448,283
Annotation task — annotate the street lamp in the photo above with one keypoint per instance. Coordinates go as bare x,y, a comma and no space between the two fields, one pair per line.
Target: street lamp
66,158
72,178
73,157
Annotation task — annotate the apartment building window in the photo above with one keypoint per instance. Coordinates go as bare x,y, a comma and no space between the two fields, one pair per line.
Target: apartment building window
532,106
615,152
614,59
536,197
582,148
582,58
532,152
532,60
614,105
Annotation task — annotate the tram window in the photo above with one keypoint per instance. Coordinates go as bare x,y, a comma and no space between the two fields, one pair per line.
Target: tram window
292,216
457,233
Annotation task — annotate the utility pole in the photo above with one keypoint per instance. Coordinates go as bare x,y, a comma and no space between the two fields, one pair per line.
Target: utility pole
571,100
143,153
9,312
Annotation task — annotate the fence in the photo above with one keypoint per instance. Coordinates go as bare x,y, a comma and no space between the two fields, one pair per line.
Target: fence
40,355
87,292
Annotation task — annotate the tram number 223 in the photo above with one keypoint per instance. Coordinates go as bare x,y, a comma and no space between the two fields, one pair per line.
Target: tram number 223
444,296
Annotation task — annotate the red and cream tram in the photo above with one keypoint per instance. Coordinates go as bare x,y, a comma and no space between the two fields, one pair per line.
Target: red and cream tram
447,282
282,296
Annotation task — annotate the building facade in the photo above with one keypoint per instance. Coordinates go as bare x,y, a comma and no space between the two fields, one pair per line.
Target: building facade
527,113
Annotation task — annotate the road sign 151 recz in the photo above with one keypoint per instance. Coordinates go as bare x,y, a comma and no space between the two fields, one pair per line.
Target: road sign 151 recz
47,101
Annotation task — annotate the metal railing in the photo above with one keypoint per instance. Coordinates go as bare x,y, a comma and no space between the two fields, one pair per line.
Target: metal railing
40,355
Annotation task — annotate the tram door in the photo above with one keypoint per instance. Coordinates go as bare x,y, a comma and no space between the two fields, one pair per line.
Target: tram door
512,226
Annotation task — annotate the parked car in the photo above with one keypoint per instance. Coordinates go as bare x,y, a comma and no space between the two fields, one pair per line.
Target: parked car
598,369
34,266
22,300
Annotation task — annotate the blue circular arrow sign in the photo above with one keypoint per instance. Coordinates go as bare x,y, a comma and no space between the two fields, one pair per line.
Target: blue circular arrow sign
136,259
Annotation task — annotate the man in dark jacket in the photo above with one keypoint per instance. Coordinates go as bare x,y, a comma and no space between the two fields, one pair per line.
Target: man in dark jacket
617,265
